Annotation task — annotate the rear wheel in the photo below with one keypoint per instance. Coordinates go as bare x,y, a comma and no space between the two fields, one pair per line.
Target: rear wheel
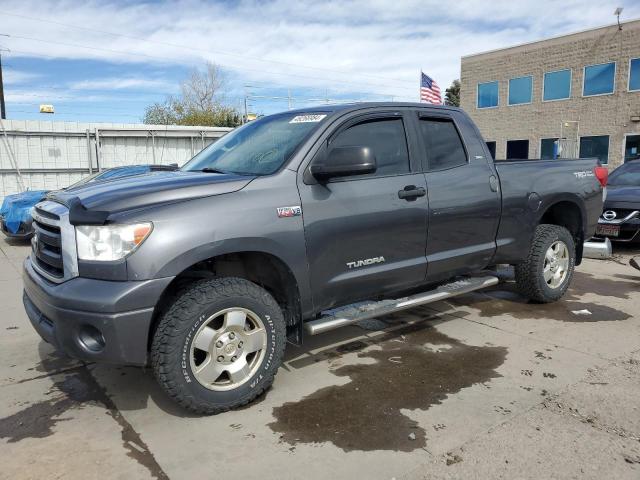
547,272
219,345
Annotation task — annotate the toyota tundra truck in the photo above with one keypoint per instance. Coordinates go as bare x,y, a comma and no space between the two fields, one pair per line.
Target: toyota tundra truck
292,225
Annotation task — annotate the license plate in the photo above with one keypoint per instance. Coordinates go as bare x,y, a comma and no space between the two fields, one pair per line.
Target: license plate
608,230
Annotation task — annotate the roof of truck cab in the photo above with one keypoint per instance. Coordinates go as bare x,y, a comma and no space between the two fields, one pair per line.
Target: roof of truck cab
343,107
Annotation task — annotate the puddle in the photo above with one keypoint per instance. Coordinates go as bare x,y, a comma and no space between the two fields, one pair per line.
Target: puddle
366,413
505,299
583,283
55,362
71,393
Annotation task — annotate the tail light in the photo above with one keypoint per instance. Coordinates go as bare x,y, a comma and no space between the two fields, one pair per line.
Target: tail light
602,174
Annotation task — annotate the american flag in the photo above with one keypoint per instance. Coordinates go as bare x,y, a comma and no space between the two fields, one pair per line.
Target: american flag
429,90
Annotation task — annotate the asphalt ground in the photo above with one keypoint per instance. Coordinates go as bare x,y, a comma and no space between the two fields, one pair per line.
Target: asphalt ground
483,386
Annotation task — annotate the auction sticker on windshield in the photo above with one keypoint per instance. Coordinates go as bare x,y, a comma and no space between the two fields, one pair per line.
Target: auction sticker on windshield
307,118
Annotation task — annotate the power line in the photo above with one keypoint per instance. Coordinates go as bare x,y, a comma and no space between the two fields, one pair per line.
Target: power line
92,107
83,113
217,52
171,60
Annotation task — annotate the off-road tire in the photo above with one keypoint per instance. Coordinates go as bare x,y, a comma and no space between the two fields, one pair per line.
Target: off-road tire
172,338
529,275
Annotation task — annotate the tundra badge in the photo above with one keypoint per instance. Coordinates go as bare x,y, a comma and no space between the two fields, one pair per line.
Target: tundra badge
366,261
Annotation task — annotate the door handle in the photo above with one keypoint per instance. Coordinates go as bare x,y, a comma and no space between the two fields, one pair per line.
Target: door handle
411,192
493,183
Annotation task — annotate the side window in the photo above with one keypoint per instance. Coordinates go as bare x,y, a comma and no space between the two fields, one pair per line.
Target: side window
385,138
443,144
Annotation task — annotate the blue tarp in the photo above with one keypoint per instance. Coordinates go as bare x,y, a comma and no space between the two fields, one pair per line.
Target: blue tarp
17,208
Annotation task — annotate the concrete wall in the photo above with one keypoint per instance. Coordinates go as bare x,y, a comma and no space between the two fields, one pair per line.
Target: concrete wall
52,155
601,115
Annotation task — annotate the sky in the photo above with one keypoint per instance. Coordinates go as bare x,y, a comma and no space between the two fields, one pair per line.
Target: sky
107,61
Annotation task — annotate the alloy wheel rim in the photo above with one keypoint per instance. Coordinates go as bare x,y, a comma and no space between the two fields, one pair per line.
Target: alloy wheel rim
228,349
556,264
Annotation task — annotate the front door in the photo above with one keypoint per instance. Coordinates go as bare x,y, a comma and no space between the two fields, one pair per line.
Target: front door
464,198
364,236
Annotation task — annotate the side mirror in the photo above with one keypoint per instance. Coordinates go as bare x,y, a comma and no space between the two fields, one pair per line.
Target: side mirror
343,162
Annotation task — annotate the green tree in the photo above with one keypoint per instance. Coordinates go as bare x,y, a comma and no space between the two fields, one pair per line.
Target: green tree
452,94
202,102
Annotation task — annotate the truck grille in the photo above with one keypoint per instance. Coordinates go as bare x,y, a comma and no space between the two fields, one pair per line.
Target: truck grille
53,245
47,245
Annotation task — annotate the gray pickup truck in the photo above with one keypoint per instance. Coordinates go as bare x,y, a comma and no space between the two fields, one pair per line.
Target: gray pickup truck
295,224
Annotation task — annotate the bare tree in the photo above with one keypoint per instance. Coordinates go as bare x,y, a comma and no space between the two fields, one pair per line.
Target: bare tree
202,102
204,90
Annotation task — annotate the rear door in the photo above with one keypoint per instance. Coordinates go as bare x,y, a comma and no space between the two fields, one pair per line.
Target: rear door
365,238
464,201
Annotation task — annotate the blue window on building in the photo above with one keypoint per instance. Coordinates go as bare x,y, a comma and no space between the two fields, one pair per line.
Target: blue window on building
595,146
634,74
520,90
599,79
488,95
557,85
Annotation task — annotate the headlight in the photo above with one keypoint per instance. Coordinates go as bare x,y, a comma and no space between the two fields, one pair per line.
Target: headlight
110,242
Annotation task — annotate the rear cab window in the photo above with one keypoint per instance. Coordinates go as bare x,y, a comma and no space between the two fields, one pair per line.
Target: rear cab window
443,146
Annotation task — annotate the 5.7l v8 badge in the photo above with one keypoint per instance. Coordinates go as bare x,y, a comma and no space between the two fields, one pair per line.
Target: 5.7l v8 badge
294,211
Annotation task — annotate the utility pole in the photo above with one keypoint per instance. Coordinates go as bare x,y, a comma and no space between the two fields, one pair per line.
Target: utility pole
246,110
3,112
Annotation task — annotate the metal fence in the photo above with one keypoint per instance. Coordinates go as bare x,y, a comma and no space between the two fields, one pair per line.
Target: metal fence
52,155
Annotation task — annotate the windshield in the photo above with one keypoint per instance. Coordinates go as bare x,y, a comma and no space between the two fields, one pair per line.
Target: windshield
260,147
627,175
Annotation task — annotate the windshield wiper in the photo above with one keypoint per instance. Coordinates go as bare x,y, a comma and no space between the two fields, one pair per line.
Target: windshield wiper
213,170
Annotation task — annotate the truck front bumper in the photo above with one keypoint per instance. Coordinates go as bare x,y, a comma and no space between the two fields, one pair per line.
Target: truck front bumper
93,320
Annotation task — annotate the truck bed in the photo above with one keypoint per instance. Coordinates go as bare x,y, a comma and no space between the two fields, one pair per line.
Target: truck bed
529,187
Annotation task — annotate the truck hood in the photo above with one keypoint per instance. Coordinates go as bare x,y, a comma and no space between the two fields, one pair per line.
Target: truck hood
622,197
151,189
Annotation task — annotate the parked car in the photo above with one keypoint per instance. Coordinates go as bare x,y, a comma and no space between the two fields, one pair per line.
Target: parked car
15,214
620,219
295,223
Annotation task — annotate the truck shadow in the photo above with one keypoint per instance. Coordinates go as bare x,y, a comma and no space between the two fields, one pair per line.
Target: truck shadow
396,347
76,384
587,300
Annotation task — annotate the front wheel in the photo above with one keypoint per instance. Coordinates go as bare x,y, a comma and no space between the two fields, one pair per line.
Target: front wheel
219,345
548,269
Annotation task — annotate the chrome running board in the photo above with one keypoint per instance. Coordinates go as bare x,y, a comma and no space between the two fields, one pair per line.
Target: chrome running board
351,314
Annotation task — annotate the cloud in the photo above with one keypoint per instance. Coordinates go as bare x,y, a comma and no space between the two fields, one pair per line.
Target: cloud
122,83
35,95
367,47
11,76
